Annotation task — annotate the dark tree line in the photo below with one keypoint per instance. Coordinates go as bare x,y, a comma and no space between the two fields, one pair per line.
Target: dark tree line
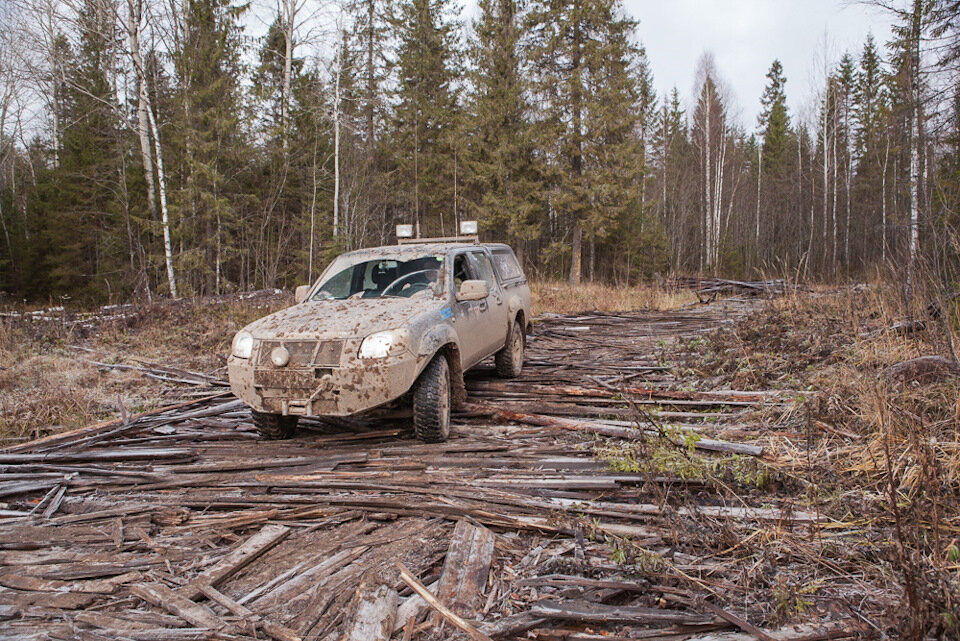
156,148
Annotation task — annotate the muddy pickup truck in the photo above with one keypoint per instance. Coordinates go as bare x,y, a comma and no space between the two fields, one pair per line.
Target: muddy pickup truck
383,325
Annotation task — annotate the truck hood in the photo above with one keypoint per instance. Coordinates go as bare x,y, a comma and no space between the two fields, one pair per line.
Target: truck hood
328,319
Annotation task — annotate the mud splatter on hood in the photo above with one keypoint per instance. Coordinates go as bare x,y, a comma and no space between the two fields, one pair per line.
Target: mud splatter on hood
327,319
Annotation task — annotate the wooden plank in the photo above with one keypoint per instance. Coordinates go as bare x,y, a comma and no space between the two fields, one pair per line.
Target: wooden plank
375,614
163,597
444,611
236,560
101,620
36,584
275,631
465,568
588,612
111,455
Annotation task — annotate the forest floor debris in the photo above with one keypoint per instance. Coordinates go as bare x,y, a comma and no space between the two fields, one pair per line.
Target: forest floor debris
576,502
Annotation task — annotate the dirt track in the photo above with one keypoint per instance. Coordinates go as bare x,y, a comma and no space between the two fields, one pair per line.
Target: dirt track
138,529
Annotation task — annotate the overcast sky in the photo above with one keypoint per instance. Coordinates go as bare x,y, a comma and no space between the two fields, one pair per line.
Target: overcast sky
745,36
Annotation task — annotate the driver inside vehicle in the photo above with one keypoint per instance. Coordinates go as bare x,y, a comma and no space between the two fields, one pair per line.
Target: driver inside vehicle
382,278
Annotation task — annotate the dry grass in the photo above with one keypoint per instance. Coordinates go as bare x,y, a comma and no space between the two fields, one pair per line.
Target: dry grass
883,456
562,298
48,382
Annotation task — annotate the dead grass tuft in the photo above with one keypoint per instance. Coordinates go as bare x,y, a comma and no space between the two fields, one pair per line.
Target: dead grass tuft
562,298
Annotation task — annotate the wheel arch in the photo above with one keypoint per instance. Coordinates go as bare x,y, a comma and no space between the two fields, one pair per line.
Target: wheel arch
458,389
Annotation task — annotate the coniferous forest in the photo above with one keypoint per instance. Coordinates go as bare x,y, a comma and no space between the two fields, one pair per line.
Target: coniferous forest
158,148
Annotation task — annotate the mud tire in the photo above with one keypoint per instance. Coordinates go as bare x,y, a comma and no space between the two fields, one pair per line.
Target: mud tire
274,427
431,402
509,360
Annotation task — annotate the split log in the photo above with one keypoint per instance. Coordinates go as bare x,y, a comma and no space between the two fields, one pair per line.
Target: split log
375,615
596,427
465,568
235,561
587,612
434,603
163,597
103,456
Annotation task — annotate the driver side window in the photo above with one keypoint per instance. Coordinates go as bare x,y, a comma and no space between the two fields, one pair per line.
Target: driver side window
462,271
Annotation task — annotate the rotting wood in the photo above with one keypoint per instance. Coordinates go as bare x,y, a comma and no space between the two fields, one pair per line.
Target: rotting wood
235,561
465,568
163,597
443,610
375,614
275,631
585,611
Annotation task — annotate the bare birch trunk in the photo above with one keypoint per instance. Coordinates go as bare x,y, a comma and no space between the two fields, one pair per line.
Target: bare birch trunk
833,209
134,18
708,204
756,237
289,12
336,139
914,152
164,212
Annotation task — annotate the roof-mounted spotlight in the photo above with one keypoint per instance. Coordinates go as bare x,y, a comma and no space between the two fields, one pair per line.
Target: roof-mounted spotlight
404,231
468,228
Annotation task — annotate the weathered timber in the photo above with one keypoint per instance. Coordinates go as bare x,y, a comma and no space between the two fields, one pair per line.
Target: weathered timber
236,560
163,597
585,611
465,568
443,610
374,615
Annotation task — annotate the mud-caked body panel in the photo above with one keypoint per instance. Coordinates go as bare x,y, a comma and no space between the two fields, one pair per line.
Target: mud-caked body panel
306,360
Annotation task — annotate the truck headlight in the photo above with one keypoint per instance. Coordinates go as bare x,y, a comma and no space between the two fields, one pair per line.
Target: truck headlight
380,344
243,345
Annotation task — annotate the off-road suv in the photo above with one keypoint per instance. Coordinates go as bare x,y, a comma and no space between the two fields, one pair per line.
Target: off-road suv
380,323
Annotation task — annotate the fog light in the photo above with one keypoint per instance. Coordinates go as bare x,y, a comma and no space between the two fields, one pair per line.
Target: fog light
280,356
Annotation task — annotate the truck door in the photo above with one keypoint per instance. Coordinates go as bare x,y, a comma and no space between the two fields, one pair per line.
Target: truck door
468,316
496,323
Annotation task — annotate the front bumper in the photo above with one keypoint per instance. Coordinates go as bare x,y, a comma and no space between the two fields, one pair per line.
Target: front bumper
352,387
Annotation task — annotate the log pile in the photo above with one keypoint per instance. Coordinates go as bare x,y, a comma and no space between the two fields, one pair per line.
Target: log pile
180,524
707,289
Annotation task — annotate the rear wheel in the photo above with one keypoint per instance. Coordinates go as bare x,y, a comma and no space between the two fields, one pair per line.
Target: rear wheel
274,426
431,402
509,360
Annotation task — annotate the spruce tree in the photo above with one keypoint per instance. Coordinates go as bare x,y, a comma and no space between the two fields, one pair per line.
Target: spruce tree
426,115
777,154
213,142
583,55
505,184
83,239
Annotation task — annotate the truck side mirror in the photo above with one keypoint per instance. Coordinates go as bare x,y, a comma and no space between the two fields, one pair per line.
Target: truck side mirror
473,290
301,293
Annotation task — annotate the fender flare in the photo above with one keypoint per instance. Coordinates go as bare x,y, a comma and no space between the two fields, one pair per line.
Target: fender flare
443,339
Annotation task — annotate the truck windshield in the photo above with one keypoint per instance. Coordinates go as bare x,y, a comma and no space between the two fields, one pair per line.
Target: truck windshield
380,277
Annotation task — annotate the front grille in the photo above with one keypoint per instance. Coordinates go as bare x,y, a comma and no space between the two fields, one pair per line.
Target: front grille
303,353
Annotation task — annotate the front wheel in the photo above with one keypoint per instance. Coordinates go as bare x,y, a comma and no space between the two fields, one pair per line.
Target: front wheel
431,402
274,427
509,360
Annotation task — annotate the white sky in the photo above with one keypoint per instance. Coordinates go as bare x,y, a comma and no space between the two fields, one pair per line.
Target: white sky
745,36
